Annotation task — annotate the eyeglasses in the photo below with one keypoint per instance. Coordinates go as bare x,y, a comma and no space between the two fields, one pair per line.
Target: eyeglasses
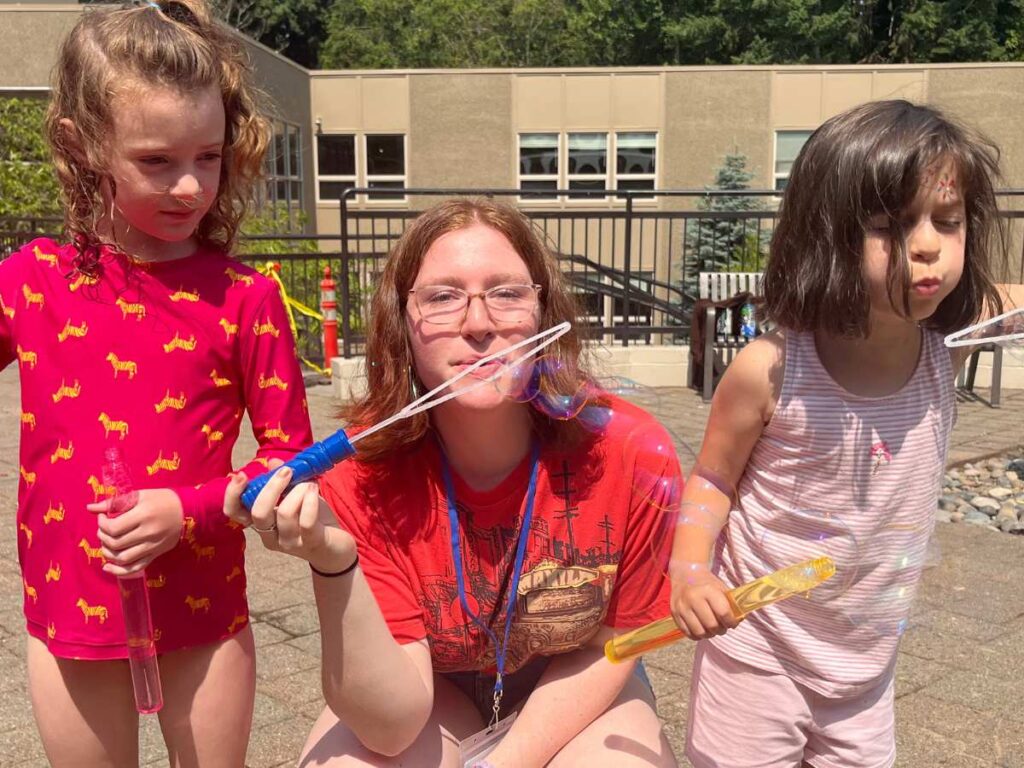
445,305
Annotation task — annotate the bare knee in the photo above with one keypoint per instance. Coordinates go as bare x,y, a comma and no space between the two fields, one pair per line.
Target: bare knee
628,733
332,744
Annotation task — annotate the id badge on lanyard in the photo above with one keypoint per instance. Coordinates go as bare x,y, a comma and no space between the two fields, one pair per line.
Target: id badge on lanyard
474,750
479,745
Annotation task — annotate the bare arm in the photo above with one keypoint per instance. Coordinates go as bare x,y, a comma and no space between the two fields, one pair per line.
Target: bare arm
574,690
742,406
381,690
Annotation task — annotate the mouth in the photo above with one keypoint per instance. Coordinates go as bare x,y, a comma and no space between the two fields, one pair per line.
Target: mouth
929,286
179,215
461,365
483,371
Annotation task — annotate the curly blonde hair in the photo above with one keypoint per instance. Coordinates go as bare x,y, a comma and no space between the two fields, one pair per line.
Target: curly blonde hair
167,43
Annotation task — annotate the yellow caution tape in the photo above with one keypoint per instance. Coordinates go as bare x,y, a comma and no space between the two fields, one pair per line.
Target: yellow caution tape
291,306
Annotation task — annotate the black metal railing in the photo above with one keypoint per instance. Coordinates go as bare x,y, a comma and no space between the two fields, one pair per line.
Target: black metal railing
633,262
15,231
632,257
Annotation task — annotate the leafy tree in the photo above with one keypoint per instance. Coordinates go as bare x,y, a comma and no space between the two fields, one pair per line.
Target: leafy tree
955,30
294,28
300,276
273,219
519,33
28,186
616,33
378,34
539,35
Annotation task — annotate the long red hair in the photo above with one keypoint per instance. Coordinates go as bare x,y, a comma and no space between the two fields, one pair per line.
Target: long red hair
389,363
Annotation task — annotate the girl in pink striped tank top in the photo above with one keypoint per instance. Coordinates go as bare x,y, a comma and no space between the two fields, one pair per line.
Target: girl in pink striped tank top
829,435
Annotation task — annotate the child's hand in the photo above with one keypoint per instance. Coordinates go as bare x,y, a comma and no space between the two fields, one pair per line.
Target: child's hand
135,538
302,524
700,604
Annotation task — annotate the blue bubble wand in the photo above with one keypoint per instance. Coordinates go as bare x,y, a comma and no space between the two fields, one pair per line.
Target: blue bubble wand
321,456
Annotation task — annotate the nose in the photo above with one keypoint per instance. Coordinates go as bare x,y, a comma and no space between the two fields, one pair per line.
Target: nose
923,242
187,187
477,324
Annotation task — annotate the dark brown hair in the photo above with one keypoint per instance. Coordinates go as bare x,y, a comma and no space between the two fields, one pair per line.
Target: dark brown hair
169,43
389,358
872,160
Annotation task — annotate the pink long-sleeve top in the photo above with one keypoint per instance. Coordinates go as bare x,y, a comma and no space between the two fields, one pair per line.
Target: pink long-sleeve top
161,360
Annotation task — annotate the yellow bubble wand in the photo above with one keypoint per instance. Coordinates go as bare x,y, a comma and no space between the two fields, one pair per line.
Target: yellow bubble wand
786,582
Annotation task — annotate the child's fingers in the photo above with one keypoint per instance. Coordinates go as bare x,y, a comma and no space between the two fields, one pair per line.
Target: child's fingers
100,506
125,557
706,616
723,611
117,543
127,570
115,527
691,625
233,507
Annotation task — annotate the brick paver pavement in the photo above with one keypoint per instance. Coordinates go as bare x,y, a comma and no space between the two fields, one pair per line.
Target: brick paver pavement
959,680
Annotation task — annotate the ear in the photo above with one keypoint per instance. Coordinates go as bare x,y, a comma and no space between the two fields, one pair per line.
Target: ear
70,136
73,142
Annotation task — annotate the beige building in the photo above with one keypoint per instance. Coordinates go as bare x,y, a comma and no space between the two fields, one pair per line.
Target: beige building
665,127
579,130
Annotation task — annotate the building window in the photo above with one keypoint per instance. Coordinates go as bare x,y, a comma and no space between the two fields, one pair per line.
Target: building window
635,161
284,169
538,163
335,165
787,146
338,167
587,164
385,164
580,162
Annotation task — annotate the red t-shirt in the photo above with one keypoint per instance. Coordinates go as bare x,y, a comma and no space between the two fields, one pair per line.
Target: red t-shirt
596,552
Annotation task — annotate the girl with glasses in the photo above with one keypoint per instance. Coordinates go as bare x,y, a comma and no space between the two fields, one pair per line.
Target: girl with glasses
471,562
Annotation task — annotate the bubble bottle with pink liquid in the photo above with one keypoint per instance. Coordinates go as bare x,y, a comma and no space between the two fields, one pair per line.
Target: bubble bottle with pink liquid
138,621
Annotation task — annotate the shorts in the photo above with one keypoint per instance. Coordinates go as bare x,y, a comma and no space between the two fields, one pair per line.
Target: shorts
741,717
479,686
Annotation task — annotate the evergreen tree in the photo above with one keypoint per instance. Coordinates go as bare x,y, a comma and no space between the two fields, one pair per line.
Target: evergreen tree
725,243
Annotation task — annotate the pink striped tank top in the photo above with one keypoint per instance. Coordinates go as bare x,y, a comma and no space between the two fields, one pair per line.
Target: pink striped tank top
856,478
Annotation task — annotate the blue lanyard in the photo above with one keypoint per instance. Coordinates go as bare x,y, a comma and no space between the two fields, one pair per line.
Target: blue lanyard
500,650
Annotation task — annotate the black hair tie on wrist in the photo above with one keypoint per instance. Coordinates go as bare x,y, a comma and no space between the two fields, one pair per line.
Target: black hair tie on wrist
339,573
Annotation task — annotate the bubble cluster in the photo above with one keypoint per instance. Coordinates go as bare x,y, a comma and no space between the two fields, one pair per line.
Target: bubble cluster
547,385
890,572
648,454
805,534
876,572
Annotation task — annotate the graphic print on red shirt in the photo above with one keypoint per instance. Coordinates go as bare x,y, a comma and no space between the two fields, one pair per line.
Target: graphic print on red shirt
595,552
